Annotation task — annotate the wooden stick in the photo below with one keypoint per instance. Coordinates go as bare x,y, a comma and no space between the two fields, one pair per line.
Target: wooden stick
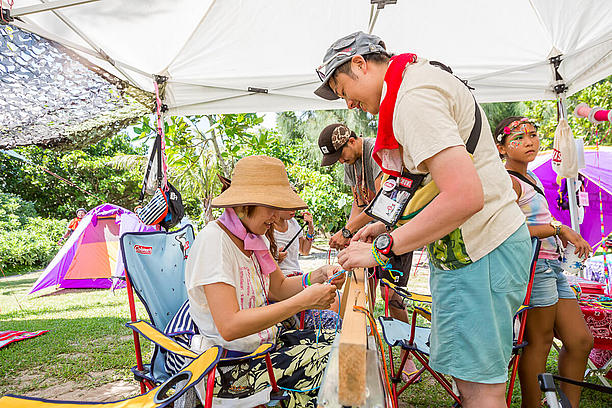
353,345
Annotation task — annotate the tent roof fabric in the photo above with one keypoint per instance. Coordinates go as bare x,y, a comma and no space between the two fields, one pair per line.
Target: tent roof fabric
52,97
259,55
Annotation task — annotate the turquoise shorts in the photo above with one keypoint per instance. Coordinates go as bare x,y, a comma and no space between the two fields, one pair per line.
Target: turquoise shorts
549,284
473,309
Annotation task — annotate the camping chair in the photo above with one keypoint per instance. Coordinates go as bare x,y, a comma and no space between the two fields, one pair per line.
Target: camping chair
163,395
549,388
415,339
155,270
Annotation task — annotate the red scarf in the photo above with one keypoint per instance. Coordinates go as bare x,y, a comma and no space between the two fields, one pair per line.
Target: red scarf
386,149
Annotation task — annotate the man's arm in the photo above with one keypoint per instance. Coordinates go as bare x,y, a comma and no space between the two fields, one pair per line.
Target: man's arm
461,196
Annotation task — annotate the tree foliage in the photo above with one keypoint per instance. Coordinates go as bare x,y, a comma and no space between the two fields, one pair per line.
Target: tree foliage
87,169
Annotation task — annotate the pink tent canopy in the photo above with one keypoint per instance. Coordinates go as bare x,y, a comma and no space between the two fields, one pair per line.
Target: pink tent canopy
91,257
596,175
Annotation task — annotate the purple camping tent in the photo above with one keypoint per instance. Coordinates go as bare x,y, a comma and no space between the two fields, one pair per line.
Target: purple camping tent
597,174
91,257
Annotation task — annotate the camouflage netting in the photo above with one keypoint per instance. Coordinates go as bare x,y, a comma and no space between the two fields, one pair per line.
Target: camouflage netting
51,97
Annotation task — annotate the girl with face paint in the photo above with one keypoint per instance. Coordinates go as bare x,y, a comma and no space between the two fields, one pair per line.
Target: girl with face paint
555,311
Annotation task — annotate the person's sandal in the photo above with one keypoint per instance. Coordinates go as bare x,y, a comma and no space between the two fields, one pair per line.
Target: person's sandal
407,376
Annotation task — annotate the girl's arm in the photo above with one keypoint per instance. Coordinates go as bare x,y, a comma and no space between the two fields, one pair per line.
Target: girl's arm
305,243
234,323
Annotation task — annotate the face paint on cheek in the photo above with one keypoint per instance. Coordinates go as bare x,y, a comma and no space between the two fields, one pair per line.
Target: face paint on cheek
514,143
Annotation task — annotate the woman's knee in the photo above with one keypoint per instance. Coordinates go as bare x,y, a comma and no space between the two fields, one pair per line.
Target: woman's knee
581,342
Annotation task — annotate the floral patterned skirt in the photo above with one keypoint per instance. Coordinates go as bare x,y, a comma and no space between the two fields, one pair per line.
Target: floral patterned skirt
299,360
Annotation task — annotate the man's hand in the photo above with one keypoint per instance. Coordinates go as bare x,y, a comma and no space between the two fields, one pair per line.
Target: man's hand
369,232
337,241
357,255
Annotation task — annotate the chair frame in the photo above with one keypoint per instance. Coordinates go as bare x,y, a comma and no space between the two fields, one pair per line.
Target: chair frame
411,348
520,344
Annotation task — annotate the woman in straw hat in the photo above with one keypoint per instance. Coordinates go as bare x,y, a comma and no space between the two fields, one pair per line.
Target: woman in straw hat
238,294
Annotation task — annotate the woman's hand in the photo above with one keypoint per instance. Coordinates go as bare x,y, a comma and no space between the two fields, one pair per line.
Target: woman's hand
318,296
324,273
281,256
308,218
357,255
583,249
338,281
369,232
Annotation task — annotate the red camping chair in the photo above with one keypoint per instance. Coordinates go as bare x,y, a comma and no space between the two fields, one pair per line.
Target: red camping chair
413,339
521,314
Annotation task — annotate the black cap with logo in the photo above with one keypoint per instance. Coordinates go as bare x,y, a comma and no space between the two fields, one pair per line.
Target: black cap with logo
331,141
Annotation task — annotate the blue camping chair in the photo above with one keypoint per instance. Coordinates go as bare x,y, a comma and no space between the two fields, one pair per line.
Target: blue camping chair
415,339
156,262
155,269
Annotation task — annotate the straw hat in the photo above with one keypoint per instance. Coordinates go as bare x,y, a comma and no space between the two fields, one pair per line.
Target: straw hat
260,180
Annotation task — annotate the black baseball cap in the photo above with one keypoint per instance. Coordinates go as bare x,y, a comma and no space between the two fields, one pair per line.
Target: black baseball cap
331,141
342,50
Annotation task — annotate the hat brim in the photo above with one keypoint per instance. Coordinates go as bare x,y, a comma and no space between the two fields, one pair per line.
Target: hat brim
236,196
329,159
324,91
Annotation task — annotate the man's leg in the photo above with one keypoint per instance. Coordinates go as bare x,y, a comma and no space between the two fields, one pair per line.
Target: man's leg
478,395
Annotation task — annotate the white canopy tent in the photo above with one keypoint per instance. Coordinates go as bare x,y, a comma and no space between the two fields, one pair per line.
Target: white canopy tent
227,56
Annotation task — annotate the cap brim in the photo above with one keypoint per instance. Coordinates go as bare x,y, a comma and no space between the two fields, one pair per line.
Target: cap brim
329,159
325,92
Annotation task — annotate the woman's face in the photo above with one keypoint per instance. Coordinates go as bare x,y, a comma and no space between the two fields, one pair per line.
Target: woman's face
522,144
260,219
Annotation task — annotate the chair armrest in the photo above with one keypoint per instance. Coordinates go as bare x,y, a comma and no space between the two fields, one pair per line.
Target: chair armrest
151,333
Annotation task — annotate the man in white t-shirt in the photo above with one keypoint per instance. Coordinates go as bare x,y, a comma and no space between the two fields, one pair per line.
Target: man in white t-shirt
479,246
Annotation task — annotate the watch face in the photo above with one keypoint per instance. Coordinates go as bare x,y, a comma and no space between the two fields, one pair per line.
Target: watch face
382,242
346,233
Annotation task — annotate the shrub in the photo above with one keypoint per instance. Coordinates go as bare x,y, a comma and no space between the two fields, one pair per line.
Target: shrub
31,246
26,240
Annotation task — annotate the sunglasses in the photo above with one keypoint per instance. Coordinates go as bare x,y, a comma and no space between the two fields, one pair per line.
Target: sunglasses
325,63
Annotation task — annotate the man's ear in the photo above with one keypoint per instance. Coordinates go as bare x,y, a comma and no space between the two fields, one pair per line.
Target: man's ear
358,63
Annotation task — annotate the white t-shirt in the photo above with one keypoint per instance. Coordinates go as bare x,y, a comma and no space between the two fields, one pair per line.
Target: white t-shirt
435,111
290,265
215,258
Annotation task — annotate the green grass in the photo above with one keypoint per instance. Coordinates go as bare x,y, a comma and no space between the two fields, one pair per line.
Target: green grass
87,334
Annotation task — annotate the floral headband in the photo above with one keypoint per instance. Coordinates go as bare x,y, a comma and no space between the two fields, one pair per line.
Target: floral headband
511,128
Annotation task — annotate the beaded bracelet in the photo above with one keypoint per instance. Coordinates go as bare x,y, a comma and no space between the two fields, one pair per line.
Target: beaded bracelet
306,280
379,260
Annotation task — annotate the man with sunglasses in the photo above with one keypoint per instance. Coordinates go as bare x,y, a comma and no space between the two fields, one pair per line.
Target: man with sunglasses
430,128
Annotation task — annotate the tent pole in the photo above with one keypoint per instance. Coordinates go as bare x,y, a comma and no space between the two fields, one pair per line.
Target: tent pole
571,182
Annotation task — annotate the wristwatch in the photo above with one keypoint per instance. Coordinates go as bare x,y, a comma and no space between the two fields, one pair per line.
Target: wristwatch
557,226
346,233
383,244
